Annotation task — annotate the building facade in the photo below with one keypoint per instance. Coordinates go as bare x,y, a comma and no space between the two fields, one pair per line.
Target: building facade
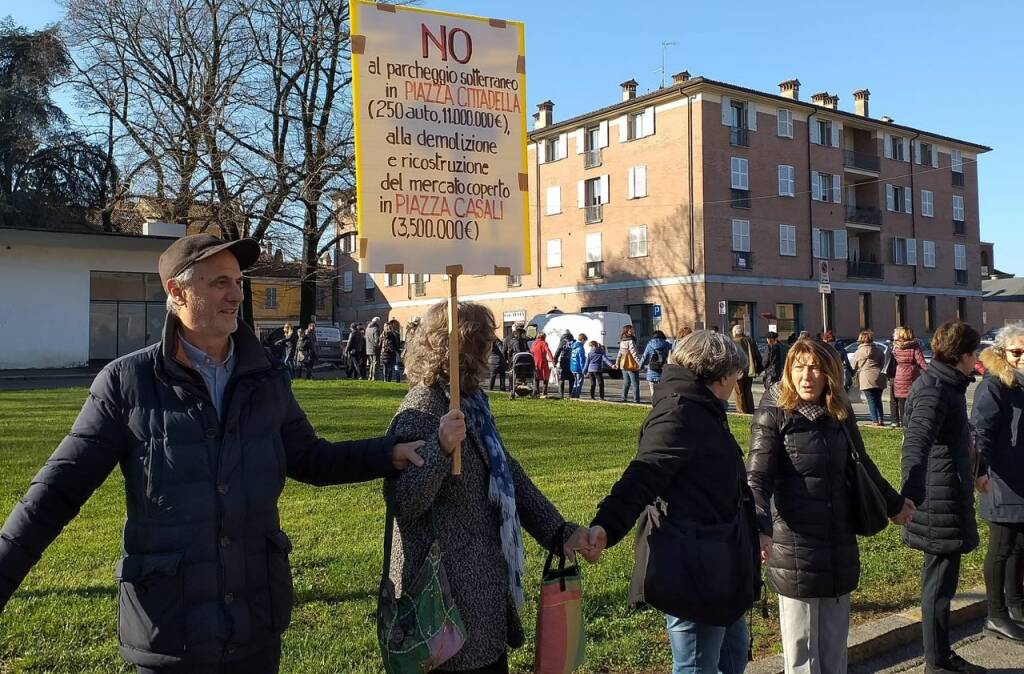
708,204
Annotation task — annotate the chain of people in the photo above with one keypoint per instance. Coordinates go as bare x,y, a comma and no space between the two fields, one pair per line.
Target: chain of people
205,429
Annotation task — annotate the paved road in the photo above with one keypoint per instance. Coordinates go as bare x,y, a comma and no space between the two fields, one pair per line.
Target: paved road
1000,657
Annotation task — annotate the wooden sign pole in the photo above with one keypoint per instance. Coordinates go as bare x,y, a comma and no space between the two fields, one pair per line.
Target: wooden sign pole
453,358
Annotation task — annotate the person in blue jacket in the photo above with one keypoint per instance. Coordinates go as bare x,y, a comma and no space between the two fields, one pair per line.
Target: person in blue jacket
654,358
577,365
596,362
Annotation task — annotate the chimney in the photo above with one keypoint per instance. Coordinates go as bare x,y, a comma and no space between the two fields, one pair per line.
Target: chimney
825,100
790,89
860,102
542,117
680,78
629,90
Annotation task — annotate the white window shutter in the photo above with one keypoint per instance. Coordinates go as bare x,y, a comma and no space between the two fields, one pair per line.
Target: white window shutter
908,201
782,180
837,187
888,146
917,153
542,151
839,241
604,189
752,116
935,156
623,129
631,182
649,121
580,135
815,186
890,197
816,242
782,239
835,134
602,134
812,125
581,194
912,252
563,146
726,111
641,181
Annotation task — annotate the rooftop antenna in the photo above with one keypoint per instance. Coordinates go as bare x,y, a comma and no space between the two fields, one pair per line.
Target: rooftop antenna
665,45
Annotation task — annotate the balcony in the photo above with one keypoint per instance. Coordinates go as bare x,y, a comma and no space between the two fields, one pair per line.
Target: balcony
865,215
861,160
958,179
594,213
739,137
594,270
592,158
960,228
742,261
960,276
865,269
740,198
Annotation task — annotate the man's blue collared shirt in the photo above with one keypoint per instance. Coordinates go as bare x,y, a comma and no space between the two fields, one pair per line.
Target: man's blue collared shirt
216,375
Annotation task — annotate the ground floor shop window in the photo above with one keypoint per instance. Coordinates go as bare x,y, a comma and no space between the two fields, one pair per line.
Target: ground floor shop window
742,314
788,319
126,313
642,316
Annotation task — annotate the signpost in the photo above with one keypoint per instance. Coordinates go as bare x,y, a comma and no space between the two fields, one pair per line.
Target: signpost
439,110
825,288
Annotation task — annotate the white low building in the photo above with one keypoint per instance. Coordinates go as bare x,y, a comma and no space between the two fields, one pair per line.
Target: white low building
68,299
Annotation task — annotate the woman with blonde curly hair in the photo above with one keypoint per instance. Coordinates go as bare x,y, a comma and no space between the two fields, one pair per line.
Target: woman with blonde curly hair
476,517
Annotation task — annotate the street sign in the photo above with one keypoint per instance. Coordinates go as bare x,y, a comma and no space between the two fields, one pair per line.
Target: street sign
825,288
723,308
657,311
823,272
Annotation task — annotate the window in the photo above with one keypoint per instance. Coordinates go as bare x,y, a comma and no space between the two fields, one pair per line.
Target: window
864,309
637,178
592,138
321,298
638,241
346,281
958,207
393,280
419,284
593,244
927,154
826,187
553,148
554,253
895,148
901,310
898,199
554,200
824,132
368,294
788,317
787,240
741,236
785,123
270,298
738,109
348,243
829,244
959,257
928,203
636,125
928,249
929,313
956,161
787,181
904,251
739,174
961,309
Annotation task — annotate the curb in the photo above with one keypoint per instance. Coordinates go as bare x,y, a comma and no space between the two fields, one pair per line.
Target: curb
47,377
885,634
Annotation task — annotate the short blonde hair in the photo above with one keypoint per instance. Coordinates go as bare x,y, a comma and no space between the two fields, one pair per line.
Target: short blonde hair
902,334
426,355
866,337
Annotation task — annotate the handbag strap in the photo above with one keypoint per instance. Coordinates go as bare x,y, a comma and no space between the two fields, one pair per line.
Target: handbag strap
389,533
556,544
851,445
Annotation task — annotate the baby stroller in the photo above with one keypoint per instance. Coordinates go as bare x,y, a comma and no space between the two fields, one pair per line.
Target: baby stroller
522,375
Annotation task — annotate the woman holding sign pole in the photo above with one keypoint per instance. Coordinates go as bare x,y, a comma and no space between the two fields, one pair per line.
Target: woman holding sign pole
474,518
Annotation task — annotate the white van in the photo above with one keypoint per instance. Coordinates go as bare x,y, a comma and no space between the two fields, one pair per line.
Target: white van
600,326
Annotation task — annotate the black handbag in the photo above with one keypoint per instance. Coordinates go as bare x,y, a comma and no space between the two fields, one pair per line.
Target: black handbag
706,573
870,511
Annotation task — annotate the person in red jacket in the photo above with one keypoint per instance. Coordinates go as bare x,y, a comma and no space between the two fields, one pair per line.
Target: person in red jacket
910,363
542,362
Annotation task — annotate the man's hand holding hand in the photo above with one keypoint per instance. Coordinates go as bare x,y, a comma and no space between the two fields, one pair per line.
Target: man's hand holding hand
404,453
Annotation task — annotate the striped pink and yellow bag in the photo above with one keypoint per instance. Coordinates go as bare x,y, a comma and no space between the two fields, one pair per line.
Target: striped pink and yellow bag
560,639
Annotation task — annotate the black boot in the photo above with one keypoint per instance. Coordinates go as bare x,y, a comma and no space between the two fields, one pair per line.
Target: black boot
1004,628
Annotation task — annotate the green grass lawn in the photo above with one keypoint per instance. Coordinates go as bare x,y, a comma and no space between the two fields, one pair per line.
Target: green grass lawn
63,619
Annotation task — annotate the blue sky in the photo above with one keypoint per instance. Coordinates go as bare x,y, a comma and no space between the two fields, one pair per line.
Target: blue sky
953,68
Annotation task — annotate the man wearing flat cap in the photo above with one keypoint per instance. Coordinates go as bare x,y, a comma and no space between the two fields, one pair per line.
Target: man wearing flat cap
205,429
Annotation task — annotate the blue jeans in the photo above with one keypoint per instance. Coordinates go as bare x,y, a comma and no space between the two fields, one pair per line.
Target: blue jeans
708,649
630,379
874,398
577,385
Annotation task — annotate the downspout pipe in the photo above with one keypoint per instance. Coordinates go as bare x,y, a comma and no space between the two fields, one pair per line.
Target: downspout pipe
913,207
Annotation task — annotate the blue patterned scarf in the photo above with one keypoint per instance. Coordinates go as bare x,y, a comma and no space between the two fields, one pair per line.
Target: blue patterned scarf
502,492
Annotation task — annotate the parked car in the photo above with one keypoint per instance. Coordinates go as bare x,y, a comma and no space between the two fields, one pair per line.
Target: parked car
330,347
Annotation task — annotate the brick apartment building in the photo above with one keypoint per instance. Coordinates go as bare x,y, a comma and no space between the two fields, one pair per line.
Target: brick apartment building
703,197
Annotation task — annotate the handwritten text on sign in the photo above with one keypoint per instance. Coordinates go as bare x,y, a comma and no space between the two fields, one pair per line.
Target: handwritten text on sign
440,141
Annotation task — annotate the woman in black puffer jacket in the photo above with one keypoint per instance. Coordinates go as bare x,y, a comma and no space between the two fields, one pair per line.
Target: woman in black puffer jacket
799,455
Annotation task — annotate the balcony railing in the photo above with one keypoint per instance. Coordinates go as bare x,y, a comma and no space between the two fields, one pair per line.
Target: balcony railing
594,270
960,276
595,213
740,198
592,158
865,269
514,280
959,227
861,160
739,137
742,260
866,215
958,179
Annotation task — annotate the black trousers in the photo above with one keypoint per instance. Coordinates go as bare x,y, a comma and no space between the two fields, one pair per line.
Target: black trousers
267,661
596,380
500,375
939,578
1002,584
498,667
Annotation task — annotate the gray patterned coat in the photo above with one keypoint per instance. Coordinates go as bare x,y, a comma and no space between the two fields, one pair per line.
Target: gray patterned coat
467,528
